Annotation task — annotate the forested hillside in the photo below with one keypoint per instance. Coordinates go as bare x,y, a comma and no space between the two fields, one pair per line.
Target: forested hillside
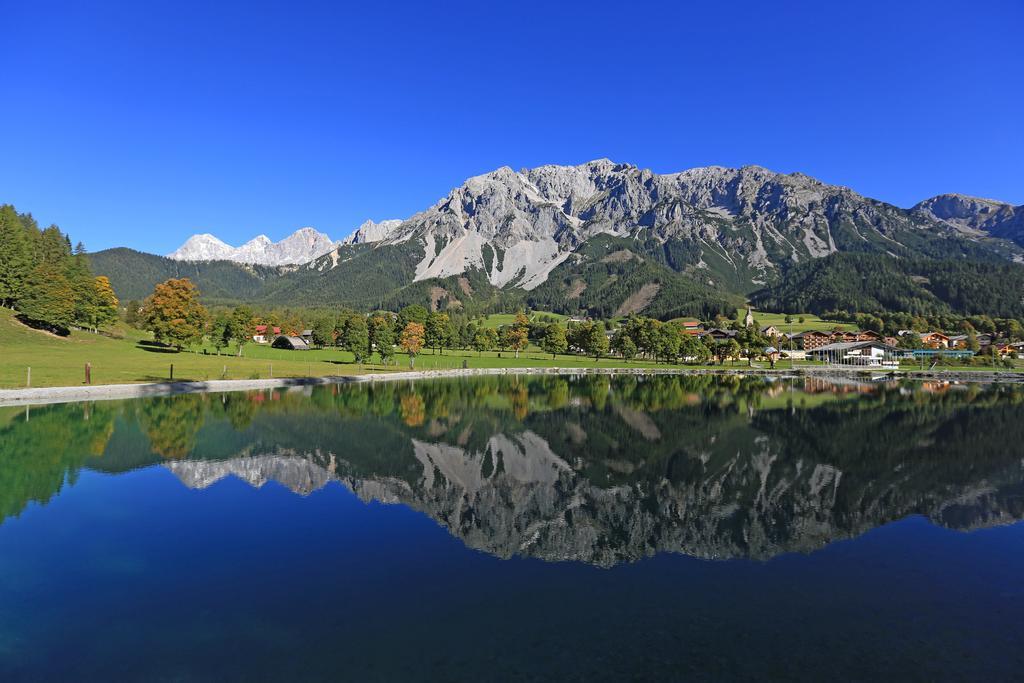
608,277
874,283
50,284
134,274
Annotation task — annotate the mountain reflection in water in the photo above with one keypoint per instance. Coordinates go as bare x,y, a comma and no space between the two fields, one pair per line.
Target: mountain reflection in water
595,469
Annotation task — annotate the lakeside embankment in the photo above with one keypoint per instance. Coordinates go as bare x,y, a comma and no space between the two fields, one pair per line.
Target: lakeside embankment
107,392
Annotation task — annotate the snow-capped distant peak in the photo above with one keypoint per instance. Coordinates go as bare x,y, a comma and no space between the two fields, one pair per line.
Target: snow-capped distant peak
302,246
202,247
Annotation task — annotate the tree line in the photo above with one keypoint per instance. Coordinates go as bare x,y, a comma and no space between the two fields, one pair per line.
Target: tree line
49,283
175,316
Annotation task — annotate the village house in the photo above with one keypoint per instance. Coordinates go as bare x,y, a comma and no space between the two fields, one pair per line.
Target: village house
811,339
934,340
959,341
692,327
261,334
719,334
771,331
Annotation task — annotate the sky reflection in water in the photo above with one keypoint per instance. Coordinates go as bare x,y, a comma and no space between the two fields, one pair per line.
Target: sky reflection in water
515,528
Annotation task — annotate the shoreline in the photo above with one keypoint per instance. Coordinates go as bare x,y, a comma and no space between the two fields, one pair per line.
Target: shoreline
111,392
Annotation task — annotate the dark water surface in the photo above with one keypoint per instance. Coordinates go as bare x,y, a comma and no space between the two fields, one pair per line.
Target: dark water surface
675,528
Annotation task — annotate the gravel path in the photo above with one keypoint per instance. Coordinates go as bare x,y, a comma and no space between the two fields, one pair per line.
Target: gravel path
107,392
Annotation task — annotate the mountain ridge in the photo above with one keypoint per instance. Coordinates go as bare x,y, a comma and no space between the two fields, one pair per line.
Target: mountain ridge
596,234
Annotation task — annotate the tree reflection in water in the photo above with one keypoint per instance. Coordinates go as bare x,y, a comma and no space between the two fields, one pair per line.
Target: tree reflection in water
593,468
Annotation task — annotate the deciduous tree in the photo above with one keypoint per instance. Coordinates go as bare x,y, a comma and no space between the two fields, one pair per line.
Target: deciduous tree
485,339
173,313
356,337
554,341
438,331
411,341
381,337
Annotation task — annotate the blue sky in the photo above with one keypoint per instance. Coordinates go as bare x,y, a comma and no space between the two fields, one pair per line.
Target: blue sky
139,123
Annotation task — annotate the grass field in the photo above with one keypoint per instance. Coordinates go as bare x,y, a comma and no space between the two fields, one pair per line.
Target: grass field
60,361
811,322
496,320
57,361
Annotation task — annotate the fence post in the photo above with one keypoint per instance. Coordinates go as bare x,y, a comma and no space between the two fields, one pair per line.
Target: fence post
28,379
271,371
172,372
88,373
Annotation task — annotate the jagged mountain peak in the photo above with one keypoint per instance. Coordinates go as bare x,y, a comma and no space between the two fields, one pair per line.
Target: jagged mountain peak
517,226
370,231
302,246
975,215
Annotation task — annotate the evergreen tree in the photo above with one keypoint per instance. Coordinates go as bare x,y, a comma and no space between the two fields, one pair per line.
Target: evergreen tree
53,247
48,298
15,257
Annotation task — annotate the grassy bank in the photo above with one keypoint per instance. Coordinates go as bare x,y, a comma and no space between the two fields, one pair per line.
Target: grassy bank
60,361
131,358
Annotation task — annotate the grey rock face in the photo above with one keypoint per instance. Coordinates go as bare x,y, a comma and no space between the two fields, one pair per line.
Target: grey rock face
518,226
976,216
518,497
296,473
370,232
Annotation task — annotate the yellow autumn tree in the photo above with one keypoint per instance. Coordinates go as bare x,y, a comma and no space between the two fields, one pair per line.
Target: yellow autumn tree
103,310
173,313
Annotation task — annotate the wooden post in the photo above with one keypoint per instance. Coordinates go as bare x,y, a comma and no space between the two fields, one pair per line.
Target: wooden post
28,379
224,372
271,371
172,372
88,373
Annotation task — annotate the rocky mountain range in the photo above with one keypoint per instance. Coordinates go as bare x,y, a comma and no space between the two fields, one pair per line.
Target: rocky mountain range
518,226
613,238
590,468
517,494
978,217
301,246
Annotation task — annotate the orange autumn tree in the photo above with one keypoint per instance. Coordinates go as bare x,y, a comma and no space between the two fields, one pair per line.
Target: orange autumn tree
411,341
173,313
519,333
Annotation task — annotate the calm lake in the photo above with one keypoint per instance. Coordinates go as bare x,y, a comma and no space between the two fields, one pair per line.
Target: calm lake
517,528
